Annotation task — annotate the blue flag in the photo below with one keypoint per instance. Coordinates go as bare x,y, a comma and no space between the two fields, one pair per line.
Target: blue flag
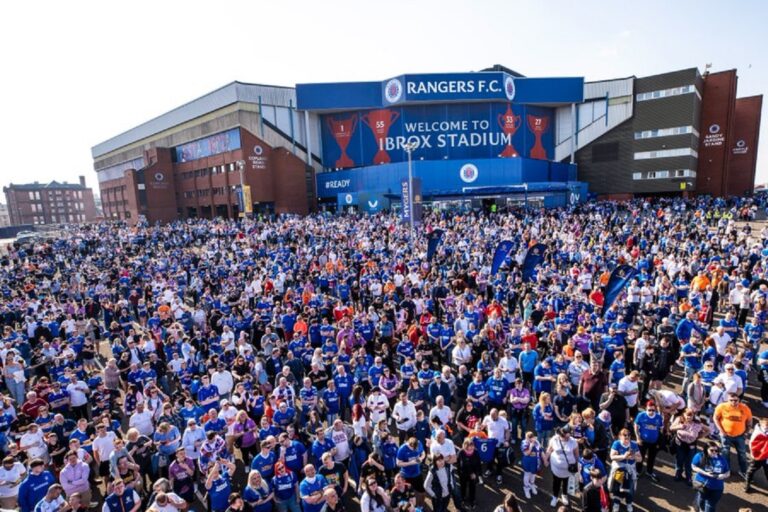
502,250
532,260
620,276
433,241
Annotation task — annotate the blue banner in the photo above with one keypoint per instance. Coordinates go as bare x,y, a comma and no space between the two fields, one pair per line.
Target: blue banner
533,259
502,250
405,190
620,276
438,132
433,241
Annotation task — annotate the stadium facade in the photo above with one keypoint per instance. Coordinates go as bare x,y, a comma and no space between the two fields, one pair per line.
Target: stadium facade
489,138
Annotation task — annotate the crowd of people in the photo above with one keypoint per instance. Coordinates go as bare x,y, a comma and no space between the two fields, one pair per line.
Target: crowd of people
324,362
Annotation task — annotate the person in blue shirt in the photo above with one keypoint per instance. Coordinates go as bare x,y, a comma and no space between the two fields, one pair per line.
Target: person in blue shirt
690,355
544,418
625,454
284,484
332,400
617,369
477,391
409,458
587,462
711,470
207,395
265,460
753,335
311,490
344,384
257,493
497,389
35,485
321,445
284,415
219,485
528,359
543,377
292,453
648,426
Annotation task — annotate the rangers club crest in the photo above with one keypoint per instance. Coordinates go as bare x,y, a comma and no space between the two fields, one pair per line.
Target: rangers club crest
509,87
468,173
393,91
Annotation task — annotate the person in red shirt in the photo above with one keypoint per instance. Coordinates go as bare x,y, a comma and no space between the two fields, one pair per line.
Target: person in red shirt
31,407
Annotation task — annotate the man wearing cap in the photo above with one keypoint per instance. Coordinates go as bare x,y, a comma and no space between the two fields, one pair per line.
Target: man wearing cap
438,387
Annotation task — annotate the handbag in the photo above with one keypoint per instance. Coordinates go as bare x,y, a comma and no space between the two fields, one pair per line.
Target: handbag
573,467
698,485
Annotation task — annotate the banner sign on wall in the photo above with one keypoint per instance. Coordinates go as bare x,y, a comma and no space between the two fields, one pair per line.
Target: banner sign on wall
439,132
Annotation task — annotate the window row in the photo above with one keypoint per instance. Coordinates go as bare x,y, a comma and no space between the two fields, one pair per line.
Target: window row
666,153
213,171
664,174
666,132
665,93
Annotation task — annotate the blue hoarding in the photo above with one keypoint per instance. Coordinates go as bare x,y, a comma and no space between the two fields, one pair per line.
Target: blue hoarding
439,132
449,177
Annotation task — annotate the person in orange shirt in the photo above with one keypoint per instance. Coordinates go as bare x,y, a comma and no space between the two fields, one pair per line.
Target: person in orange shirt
700,282
733,419
300,326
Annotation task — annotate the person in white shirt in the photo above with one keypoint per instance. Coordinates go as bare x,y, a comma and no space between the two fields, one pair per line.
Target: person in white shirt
378,404
12,473
404,413
192,439
731,381
443,446
103,446
142,420
461,354
227,339
223,380
33,443
167,502
78,396
52,502
721,339
509,365
497,427
440,411
630,389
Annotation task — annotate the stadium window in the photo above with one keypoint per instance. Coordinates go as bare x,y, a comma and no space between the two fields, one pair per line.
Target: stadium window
637,175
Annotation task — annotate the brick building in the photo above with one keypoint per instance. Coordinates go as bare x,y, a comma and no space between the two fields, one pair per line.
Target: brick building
189,162
50,203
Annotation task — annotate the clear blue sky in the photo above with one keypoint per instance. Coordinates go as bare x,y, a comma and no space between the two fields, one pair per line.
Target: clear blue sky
80,75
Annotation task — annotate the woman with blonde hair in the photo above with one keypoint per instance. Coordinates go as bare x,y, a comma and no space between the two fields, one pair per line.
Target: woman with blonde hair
544,418
257,493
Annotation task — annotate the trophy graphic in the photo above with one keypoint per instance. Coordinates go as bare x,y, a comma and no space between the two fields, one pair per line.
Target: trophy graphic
538,125
379,121
509,123
342,130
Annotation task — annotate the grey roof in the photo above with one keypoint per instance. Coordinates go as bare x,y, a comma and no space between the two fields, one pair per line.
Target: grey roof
52,185
227,95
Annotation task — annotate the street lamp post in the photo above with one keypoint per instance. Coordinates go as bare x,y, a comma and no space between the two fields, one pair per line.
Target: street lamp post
241,170
409,149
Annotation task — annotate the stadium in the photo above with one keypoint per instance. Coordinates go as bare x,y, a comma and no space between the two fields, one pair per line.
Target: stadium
487,139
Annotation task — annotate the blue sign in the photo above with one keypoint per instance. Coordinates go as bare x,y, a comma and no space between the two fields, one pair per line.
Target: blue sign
438,132
445,87
405,191
209,146
452,87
